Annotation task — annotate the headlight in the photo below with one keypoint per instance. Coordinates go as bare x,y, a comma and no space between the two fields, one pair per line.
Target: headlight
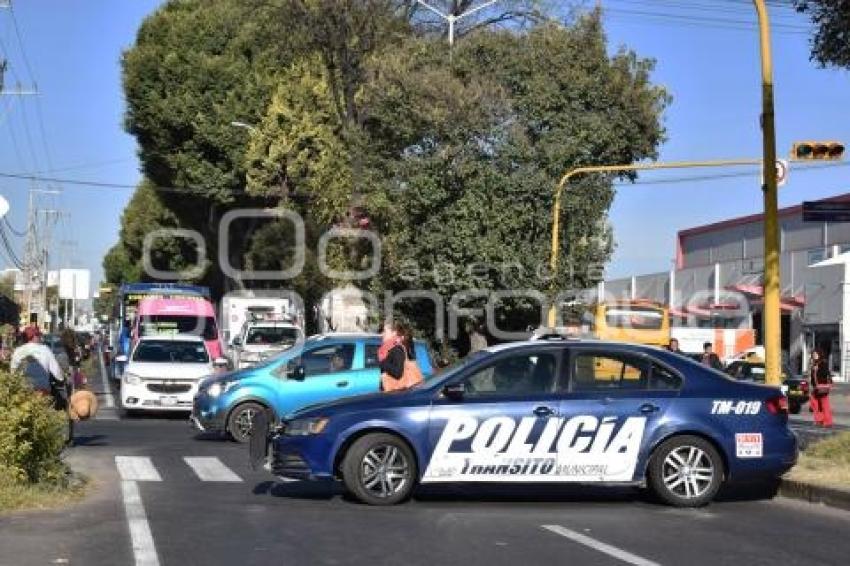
131,379
220,388
306,427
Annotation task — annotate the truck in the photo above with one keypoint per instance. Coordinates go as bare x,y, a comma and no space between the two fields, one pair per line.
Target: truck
239,307
262,338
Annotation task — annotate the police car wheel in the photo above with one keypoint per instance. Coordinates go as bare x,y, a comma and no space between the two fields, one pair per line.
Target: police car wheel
686,471
379,469
241,421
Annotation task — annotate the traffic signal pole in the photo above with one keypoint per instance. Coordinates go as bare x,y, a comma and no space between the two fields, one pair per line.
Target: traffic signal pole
771,314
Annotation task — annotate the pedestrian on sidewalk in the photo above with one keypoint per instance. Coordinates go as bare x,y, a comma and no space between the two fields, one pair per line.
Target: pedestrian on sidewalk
821,385
397,358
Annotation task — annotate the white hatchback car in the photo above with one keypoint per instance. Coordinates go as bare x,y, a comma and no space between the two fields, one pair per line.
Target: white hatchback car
163,372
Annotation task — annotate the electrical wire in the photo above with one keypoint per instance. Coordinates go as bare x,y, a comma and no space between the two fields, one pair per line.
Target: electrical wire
19,233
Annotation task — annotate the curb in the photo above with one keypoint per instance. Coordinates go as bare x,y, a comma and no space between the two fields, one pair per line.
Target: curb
812,493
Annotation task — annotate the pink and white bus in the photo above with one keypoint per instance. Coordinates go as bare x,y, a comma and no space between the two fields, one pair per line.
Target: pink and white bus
185,315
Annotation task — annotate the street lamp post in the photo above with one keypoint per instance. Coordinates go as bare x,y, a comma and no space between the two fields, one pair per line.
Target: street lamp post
771,310
452,18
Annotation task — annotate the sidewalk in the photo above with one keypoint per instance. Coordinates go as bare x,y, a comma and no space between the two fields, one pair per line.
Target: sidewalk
840,401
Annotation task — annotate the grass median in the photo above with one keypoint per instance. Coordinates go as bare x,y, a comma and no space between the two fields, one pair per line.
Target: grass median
825,463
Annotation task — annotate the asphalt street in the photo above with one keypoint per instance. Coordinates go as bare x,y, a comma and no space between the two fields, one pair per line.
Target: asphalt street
166,495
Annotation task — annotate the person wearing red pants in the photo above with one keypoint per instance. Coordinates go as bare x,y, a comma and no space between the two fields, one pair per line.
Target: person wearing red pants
821,383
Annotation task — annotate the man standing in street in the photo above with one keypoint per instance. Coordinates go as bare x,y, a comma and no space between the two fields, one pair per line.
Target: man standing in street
709,358
674,346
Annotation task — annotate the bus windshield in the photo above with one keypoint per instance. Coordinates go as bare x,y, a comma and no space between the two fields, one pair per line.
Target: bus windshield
634,317
169,325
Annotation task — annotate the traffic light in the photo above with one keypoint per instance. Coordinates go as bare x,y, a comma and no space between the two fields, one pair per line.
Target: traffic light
817,151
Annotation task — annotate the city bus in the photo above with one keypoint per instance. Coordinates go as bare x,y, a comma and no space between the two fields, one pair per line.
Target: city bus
126,306
184,316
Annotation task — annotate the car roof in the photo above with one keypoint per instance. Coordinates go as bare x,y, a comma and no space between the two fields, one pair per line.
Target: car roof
569,342
172,338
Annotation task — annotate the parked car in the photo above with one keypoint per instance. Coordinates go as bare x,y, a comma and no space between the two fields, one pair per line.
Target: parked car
163,372
796,388
321,368
545,412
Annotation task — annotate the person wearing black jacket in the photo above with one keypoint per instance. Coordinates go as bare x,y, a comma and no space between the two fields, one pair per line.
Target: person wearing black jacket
709,358
397,345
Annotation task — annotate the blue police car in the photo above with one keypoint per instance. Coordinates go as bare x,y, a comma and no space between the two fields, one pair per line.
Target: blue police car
546,412
321,368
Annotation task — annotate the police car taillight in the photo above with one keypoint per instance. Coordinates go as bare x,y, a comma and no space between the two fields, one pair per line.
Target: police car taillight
777,405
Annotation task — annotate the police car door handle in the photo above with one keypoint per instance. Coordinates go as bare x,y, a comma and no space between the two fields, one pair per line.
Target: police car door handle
648,408
342,384
544,411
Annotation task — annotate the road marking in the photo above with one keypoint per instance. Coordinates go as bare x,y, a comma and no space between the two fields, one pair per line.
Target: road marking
136,468
144,550
107,388
618,553
211,469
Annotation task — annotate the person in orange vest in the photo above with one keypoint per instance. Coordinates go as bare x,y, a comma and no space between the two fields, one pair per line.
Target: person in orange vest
821,384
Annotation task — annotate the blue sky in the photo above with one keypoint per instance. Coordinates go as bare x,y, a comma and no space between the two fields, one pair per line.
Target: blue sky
74,48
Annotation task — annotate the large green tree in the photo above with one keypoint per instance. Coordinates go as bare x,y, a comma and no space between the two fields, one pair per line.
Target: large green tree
831,42
198,66
467,156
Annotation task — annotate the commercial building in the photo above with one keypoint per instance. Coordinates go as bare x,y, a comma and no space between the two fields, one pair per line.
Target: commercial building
716,282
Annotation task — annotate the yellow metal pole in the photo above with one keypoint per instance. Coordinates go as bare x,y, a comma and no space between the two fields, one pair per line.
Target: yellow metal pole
556,209
771,315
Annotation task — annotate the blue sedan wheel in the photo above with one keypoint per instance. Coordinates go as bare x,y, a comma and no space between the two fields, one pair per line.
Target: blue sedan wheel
379,469
686,471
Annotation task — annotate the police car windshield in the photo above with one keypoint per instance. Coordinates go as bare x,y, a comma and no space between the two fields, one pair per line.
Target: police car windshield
164,351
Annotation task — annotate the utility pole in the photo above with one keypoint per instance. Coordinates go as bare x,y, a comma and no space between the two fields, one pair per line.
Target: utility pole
771,314
35,255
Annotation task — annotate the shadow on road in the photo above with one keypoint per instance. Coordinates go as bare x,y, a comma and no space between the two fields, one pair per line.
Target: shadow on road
91,440
495,493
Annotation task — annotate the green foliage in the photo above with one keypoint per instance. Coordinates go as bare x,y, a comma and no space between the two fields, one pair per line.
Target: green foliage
356,105
144,214
31,434
830,45
467,156
299,149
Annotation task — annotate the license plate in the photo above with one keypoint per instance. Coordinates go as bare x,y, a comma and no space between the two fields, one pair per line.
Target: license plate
168,401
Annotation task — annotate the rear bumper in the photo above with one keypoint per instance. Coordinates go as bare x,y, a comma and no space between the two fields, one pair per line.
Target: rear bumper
780,455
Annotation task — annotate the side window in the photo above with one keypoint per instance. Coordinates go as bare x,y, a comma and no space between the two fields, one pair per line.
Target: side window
596,370
517,375
328,359
662,379
372,356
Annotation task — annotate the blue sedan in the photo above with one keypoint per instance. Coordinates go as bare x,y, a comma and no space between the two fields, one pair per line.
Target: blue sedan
321,368
547,412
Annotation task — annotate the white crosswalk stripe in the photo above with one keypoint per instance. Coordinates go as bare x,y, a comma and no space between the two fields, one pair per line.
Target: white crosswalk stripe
211,469
136,468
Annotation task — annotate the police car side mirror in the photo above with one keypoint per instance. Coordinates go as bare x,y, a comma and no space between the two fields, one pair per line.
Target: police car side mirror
454,391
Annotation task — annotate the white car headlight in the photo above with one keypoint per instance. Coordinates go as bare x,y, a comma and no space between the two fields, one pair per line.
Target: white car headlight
132,379
306,427
220,388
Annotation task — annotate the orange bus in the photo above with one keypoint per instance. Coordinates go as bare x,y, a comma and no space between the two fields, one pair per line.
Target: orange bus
638,322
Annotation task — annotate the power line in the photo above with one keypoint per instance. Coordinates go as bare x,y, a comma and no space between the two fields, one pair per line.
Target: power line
19,233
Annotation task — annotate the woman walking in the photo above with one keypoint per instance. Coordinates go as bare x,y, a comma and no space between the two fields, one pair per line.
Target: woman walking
821,383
